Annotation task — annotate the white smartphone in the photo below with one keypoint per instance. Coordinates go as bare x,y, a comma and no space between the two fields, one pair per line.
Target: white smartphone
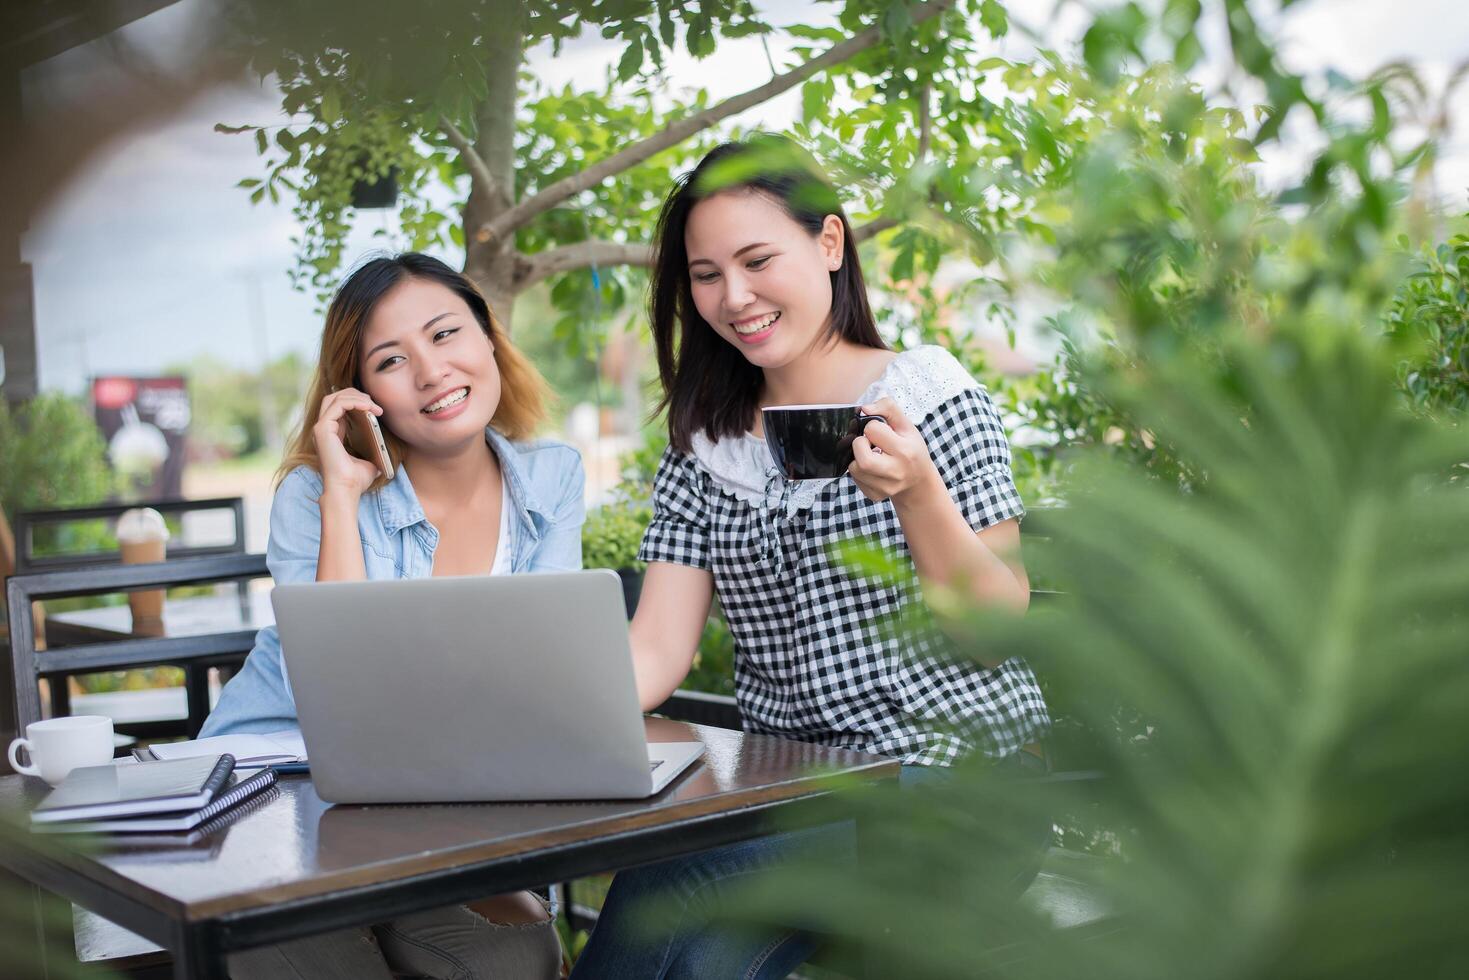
366,440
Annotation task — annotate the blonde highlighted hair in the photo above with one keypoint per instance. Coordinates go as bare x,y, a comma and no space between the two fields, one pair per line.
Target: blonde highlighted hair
523,392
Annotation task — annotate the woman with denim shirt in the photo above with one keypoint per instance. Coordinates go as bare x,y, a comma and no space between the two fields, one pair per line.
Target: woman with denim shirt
414,343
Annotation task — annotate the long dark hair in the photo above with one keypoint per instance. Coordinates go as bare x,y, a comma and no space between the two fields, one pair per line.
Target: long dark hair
708,386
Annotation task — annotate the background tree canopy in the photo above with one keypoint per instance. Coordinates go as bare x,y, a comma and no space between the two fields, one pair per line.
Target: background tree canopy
550,182
942,150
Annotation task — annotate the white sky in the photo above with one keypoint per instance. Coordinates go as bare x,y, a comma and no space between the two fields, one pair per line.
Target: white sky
152,256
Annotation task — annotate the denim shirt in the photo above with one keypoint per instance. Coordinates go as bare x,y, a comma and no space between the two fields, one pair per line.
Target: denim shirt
543,483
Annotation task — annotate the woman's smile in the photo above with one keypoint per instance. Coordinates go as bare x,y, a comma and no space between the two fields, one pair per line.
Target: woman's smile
455,403
752,330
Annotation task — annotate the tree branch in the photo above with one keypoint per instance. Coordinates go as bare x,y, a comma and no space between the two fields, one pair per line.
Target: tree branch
579,255
479,171
874,227
675,133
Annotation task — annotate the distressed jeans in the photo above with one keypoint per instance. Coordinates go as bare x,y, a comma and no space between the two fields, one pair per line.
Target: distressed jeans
451,943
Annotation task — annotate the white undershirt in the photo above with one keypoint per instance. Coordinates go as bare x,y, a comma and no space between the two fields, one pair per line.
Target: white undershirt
502,553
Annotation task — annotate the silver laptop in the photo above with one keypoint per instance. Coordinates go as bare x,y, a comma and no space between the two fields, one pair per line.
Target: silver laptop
513,687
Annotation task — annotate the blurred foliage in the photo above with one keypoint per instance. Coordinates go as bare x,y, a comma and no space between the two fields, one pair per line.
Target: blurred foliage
22,932
140,679
713,669
572,375
242,411
611,538
613,532
54,456
1293,629
1261,555
1429,317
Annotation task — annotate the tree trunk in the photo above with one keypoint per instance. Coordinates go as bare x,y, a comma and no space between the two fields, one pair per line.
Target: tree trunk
490,263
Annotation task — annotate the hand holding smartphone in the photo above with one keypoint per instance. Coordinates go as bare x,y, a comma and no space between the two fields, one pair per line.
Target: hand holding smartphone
366,441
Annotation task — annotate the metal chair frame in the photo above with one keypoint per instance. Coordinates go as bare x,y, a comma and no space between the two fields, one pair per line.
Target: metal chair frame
195,653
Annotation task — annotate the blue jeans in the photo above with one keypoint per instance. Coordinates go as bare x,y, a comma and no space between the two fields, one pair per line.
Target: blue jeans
659,921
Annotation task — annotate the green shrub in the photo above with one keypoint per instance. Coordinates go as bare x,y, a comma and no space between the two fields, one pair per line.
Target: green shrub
613,532
713,670
53,456
1429,316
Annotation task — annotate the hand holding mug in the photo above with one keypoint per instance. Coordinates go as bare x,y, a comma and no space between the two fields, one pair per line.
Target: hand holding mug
890,458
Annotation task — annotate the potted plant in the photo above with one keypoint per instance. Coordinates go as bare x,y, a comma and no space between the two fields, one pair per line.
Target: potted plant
610,539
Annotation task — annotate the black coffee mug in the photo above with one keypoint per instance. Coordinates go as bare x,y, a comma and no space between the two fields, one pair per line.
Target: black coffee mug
813,442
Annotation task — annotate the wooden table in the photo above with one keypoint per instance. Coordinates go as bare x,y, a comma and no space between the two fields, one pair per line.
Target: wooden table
297,867
183,616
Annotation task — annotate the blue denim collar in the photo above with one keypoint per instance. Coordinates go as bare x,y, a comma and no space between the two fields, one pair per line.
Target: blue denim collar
398,505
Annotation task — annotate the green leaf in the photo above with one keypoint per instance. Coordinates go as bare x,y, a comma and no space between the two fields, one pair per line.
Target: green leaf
1188,52
261,144
902,267
993,18
1111,38
815,100
632,60
700,37
896,20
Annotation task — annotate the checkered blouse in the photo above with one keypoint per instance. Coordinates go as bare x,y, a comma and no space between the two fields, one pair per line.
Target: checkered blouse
816,657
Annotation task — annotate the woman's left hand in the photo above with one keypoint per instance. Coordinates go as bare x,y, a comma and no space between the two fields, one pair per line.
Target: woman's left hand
891,459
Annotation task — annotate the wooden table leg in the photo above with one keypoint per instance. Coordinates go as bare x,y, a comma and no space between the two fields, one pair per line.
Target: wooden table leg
196,691
46,942
198,956
869,957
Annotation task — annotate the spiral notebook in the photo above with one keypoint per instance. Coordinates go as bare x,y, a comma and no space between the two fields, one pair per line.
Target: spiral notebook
197,843
94,792
239,792
283,751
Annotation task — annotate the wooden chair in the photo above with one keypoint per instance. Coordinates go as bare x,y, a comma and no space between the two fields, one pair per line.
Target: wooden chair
98,941
28,522
28,664
27,560
7,569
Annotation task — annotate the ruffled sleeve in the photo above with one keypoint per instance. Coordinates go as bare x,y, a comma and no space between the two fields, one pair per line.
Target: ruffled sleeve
967,443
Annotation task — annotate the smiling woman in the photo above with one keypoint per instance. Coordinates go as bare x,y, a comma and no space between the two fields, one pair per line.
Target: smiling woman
384,314
412,343
758,301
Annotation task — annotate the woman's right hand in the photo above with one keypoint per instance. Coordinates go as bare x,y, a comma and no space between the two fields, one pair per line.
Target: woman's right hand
342,474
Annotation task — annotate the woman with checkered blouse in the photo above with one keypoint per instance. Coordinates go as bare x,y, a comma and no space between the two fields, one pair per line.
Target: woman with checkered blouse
757,299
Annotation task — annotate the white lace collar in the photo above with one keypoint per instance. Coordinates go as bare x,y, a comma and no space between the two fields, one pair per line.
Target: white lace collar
919,380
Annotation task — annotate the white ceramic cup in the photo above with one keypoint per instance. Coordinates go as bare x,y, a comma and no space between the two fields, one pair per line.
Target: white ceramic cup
59,745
